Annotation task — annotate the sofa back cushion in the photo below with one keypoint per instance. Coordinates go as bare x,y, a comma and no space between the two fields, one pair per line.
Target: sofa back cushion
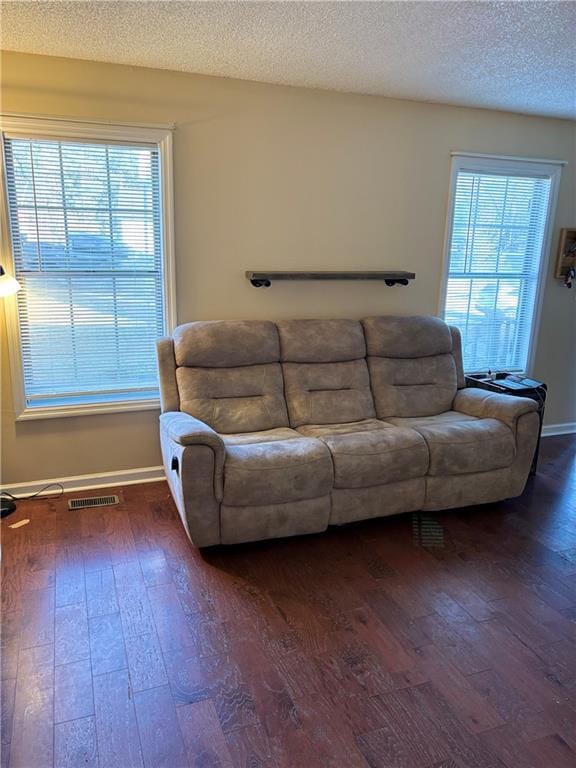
229,376
413,370
326,378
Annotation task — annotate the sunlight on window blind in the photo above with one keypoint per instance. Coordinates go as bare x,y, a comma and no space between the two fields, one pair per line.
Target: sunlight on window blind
85,225
496,245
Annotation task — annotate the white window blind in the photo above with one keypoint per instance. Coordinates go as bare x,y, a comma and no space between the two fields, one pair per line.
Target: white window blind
498,224
85,223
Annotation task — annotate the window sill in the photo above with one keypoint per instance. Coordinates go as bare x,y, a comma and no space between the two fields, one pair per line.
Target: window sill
86,409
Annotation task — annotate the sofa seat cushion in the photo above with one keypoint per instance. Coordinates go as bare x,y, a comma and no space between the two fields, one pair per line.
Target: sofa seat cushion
276,471
447,417
374,454
464,445
264,436
329,430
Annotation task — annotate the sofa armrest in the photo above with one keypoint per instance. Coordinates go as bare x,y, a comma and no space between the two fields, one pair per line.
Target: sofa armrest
186,430
490,405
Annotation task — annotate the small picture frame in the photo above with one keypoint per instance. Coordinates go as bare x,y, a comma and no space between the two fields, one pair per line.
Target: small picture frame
566,252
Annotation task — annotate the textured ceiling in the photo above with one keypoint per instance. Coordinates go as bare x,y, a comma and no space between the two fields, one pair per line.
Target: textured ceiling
518,56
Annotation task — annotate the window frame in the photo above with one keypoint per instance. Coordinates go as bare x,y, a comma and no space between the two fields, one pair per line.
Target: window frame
32,127
519,166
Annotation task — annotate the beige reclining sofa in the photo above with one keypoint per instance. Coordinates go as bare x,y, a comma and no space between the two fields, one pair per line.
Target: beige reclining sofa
273,429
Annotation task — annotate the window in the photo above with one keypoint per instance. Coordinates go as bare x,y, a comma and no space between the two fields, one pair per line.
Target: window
89,228
498,230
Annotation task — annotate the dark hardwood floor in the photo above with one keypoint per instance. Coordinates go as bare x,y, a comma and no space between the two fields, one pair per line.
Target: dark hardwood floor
445,640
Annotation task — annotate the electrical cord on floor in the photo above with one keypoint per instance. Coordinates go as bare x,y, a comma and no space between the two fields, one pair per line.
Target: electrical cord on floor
8,500
33,495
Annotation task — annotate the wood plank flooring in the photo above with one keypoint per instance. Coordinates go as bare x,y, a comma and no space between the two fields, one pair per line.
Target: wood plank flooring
425,641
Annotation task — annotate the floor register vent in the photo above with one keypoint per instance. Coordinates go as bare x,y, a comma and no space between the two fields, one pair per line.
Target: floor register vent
92,501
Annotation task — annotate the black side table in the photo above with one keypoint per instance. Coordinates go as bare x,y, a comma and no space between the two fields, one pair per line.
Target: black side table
535,393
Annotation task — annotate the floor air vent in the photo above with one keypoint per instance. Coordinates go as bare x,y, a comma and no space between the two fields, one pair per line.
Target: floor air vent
427,532
92,501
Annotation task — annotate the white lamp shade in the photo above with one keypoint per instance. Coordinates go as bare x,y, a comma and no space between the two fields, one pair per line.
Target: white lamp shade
8,284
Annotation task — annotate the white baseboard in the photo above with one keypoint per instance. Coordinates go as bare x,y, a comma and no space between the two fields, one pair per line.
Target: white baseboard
567,428
87,482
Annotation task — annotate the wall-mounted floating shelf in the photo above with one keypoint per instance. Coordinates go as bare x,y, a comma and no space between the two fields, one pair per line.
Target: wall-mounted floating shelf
393,277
